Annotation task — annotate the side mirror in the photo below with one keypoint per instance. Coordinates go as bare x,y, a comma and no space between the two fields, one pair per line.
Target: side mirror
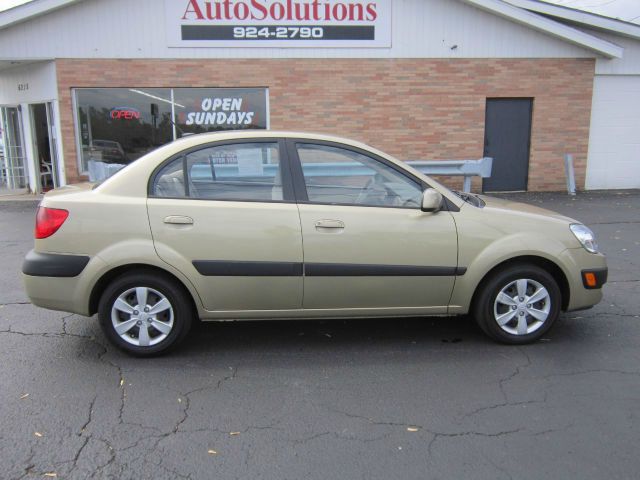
431,200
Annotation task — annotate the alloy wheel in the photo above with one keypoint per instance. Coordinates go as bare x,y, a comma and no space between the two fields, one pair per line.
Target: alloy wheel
522,306
142,316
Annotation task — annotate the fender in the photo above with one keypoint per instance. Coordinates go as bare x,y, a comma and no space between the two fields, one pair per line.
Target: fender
131,252
520,244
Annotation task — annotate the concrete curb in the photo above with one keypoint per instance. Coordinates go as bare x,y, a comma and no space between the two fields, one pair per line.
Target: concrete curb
20,198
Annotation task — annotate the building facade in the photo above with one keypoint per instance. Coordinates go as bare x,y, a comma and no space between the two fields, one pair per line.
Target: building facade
105,81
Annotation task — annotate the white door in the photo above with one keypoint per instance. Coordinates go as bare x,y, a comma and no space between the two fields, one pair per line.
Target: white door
614,141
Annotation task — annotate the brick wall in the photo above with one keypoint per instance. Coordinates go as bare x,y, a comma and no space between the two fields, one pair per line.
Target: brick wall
410,108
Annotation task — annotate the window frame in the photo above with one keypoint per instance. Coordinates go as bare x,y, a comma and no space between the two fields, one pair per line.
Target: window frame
288,195
300,186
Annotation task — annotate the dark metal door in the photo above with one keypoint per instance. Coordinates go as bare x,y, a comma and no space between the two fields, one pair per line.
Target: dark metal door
507,138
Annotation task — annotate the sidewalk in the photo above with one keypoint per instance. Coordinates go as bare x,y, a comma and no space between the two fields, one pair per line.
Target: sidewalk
20,197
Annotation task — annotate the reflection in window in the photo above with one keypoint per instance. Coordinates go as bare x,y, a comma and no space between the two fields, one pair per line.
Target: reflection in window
340,176
119,125
244,172
170,180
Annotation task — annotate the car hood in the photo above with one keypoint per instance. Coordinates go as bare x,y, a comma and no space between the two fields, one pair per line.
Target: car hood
523,208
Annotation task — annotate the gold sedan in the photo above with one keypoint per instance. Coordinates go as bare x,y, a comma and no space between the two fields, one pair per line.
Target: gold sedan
260,225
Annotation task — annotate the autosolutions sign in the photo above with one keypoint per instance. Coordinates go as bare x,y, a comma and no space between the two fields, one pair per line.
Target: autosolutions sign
278,23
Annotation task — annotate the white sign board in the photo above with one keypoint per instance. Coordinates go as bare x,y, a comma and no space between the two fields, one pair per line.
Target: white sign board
278,23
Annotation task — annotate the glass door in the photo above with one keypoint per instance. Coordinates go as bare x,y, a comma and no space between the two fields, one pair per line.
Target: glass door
13,178
44,146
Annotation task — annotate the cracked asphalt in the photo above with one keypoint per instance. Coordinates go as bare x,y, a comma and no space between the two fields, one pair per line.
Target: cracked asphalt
365,399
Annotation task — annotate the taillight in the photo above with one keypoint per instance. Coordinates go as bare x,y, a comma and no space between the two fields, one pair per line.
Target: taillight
49,220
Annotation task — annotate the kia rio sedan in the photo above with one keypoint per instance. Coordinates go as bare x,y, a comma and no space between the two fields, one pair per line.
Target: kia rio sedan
278,225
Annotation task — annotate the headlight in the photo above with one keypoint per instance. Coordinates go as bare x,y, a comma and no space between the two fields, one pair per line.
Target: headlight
585,236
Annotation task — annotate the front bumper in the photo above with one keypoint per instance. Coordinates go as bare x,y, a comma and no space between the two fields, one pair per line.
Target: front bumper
576,262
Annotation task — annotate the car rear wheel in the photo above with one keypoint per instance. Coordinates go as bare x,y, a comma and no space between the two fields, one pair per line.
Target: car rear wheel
145,314
518,304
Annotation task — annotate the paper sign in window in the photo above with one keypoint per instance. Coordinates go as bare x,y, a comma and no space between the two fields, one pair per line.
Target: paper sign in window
250,163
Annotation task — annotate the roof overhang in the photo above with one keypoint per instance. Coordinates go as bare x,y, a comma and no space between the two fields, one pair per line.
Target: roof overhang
520,14
549,26
30,10
580,17
7,64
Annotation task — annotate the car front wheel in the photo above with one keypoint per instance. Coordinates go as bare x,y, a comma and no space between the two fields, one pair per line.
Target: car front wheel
518,304
145,314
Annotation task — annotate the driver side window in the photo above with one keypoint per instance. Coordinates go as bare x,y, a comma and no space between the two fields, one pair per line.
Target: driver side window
339,176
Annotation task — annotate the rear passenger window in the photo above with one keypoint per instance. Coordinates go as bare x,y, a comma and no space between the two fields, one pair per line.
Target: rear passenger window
248,171
169,182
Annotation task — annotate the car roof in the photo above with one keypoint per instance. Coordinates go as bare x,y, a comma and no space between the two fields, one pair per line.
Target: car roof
200,138
127,180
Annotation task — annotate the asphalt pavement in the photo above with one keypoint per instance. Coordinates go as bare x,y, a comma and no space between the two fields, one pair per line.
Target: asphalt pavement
427,398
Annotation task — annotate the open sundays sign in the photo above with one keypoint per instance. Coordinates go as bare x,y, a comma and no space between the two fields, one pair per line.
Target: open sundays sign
278,23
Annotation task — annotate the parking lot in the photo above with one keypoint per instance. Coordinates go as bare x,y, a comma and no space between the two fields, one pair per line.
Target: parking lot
371,399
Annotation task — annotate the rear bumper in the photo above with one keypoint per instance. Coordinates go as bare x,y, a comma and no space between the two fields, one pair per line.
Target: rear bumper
37,264
60,281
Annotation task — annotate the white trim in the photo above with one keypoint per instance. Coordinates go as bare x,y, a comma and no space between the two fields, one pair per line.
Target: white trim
62,171
29,153
173,116
77,131
540,23
267,106
27,11
579,16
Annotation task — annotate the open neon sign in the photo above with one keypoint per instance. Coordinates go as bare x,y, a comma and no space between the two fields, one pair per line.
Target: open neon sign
124,113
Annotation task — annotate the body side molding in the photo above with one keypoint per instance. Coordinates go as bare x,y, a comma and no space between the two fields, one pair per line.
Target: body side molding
226,268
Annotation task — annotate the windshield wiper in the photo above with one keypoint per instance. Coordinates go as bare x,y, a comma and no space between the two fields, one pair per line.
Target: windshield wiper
470,198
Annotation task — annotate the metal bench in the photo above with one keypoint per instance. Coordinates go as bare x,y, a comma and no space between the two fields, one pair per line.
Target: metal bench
464,168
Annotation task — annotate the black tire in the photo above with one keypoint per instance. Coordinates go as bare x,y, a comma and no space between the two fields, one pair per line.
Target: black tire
181,308
483,308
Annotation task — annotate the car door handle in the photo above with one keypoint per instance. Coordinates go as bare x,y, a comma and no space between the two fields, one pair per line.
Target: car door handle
178,220
329,224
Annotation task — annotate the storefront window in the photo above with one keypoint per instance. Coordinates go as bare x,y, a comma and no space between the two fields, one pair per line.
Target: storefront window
119,125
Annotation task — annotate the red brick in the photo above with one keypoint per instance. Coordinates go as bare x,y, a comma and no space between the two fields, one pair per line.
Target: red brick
411,108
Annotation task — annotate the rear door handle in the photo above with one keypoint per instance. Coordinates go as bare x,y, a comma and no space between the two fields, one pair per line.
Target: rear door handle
329,224
178,220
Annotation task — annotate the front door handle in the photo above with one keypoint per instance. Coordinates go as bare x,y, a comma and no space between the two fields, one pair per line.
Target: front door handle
178,220
329,224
